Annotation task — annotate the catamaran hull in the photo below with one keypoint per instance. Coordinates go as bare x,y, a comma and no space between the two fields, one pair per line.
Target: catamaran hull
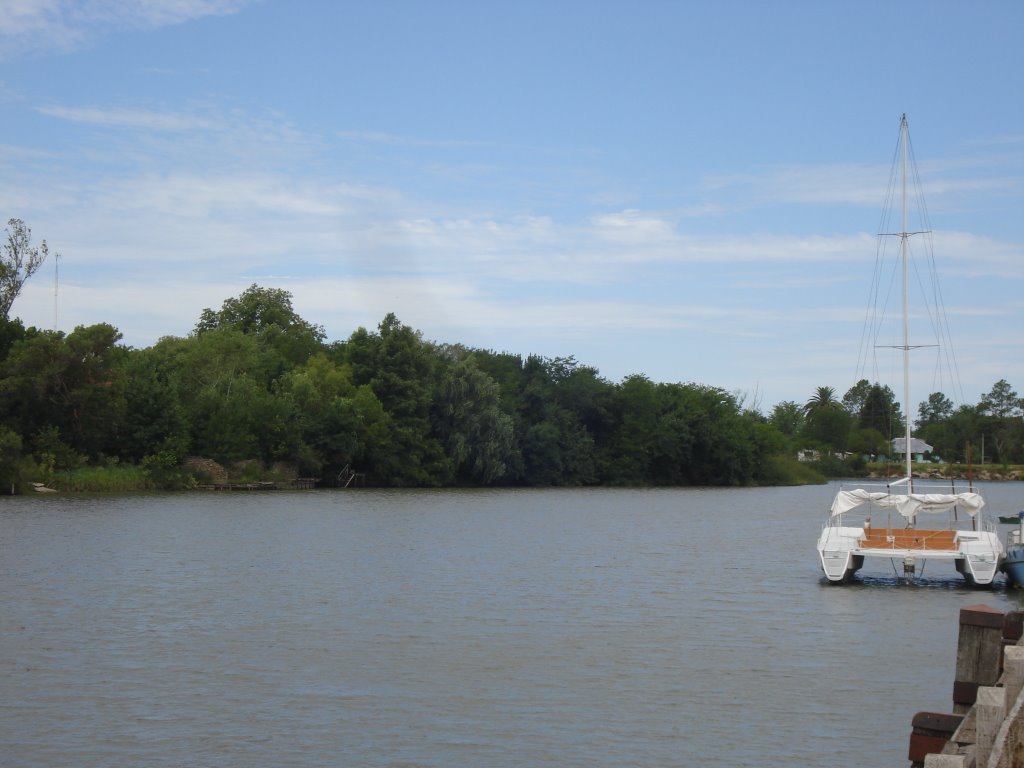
839,567
977,559
978,571
837,553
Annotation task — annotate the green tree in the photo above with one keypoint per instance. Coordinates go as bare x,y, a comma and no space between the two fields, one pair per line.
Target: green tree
95,388
581,391
1001,401
868,442
934,417
223,379
687,434
1000,410
824,397
73,384
856,396
268,314
829,428
475,432
10,332
32,383
329,428
557,448
964,430
788,418
19,260
401,370
397,364
251,422
935,410
880,411
723,447
827,423
155,419
638,453
10,457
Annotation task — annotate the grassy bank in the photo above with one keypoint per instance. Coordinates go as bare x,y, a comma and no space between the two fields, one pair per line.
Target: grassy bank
116,479
122,478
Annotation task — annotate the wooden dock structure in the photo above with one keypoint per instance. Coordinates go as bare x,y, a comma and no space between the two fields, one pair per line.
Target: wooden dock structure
299,484
986,727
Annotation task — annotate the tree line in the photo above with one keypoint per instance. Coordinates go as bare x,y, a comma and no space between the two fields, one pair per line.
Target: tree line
867,418
256,382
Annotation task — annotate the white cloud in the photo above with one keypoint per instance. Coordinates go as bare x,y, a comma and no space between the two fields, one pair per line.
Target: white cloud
133,118
970,255
633,227
178,209
861,185
848,184
34,26
397,140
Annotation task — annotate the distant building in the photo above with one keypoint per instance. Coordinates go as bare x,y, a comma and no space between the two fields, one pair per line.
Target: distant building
918,447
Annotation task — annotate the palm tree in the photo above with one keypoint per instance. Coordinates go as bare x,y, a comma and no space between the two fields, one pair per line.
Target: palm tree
824,397
828,422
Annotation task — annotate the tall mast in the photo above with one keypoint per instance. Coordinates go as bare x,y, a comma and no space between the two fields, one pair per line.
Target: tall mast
906,335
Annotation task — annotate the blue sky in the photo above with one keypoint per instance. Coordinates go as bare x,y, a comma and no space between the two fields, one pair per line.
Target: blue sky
688,190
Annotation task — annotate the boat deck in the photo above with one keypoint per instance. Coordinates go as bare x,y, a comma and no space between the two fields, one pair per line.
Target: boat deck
913,538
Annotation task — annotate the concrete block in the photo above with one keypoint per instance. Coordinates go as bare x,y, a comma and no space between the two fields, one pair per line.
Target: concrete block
991,711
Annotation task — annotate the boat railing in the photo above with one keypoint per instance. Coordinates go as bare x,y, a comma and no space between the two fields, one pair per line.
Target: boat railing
899,486
988,526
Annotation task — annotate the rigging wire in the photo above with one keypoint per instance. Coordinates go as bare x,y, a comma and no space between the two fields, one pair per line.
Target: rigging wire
937,314
885,280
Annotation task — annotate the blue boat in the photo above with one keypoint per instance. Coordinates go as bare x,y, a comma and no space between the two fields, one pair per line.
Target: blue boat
1013,561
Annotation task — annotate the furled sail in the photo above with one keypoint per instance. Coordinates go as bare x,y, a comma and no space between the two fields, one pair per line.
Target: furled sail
908,504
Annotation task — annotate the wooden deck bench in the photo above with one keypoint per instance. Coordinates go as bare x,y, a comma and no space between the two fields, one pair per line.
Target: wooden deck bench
879,538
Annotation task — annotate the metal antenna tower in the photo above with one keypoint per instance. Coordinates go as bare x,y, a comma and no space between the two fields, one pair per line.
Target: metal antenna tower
56,284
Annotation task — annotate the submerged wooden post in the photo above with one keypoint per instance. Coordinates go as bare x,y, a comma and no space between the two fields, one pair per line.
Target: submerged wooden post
979,654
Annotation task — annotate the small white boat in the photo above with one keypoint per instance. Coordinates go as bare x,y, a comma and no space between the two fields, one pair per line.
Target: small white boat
854,532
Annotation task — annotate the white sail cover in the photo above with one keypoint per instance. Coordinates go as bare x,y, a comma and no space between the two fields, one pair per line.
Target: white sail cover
908,504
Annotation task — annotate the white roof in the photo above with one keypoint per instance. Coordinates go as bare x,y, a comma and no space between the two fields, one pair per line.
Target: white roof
917,445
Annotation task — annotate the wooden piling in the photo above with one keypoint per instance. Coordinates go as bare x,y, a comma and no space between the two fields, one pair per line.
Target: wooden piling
931,731
978,654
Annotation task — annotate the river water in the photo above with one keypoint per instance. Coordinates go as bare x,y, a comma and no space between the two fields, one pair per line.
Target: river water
460,628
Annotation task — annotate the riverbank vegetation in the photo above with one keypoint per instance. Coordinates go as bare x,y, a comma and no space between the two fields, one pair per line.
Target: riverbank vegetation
257,389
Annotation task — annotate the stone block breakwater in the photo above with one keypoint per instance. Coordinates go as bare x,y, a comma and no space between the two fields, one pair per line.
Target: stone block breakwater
987,475
986,727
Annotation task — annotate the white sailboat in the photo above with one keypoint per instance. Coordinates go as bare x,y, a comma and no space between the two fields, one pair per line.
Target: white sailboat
882,521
